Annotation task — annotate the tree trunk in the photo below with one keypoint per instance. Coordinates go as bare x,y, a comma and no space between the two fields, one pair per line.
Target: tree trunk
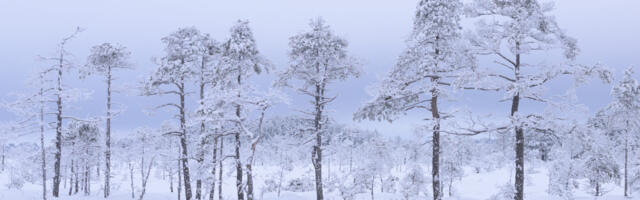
316,154
58,154
183,143
238,167
237,135
519,133
597,189
107,152
249,183
202,134
626,158
171,180
179,175
42,147
2,158
213,170
220,165
145,178
435,161
71,179
133,195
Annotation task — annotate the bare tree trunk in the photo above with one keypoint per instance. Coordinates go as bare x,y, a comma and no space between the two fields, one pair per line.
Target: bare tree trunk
254,144
71,179
519,177
42,147
133,194
145,178
220,165
183,143
316,154
237,147
179,174
107,152
58,154
213,170
373,183
249,183
597,189
2,158
87,175
77,180
626,158
435,160
240,190
171,180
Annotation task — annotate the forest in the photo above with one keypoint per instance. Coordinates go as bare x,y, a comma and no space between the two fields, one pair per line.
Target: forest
223,135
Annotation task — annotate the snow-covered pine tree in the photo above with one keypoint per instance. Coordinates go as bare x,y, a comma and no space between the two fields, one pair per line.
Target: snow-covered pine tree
103,60
175,69
208,52
239,61
318,58
31,109
62,95
435,58
619,120
511,30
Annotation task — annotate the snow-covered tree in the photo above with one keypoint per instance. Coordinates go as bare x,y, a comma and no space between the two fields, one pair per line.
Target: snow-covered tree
31,109
619,120
435,58
62,95
317,59
175,69
234,96
103,60
511,30
208,52
83,138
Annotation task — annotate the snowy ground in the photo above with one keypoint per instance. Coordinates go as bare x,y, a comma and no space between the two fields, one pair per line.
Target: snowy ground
473,187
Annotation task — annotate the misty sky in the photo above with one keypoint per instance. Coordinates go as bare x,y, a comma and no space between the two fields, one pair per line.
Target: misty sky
607,32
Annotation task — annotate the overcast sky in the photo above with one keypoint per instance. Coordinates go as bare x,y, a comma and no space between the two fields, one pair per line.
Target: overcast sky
607,32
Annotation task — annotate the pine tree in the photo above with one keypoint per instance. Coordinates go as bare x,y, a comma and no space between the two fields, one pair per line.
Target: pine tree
524,27
318,58
176,68
435,53
104,59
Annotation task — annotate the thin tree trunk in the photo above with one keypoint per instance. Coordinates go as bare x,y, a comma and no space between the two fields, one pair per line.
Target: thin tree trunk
213,170
254,144
58,154
373,182
87,175
220,165
171,180
42,147
71,179
238,167
435,161
519,133
179,174
107,152
316,154
626,158
237,147
133,195
2,158
145,178
202,129
183,143
77,180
